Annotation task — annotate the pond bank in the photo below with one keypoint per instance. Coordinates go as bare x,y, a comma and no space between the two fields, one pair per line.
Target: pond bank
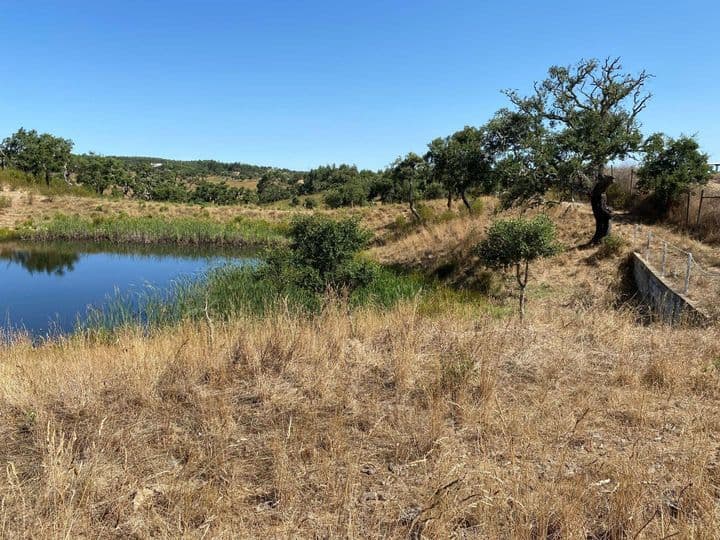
152,230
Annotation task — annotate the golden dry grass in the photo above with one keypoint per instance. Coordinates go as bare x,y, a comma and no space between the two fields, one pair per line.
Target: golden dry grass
420,422
27,205
707,228
578,423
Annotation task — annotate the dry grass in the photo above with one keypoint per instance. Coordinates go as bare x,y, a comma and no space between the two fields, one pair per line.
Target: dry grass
27,205
578,423
707,228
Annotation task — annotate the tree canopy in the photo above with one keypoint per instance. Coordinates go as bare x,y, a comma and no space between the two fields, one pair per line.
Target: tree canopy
585,115
672,167
39,154
461,162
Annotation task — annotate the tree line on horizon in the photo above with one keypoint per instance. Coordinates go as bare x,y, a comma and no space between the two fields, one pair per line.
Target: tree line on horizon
44,157
558,140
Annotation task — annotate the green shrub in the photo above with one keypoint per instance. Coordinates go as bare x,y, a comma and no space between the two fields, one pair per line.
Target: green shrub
672,167
477,206
434,190
310,203
325,244
611,246
515,243
425,212
5,202
618,196
353,193
333,198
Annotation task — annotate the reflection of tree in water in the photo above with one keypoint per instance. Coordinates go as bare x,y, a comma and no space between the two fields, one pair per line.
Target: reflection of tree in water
50,262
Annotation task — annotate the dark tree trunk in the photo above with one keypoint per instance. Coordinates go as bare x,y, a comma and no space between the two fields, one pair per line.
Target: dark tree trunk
465,200
601,211
522,282
449,200
47,177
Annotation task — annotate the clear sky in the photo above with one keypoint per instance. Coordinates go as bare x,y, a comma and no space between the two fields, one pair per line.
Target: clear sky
303,83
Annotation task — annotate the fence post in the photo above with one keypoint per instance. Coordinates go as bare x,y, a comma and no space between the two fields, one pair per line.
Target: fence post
687,273
647,247
687,211
664,257
702,196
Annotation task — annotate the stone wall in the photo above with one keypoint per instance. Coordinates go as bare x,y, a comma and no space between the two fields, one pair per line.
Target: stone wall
669,305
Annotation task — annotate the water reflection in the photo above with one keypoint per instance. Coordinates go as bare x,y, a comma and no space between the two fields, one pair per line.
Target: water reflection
47,287
42,261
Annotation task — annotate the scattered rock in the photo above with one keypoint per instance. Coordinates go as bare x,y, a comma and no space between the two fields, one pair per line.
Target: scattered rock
368,468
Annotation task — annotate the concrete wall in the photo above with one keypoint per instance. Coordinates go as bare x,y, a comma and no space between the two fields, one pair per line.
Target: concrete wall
670,306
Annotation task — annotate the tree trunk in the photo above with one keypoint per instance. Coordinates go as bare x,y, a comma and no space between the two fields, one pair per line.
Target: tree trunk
465,200
449,200
600,209
47,177
522,282
412,203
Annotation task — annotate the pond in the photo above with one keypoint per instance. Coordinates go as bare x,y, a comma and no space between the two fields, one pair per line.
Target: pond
45,289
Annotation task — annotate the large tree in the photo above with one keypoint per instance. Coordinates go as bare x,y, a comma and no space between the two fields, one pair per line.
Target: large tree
525,163
590,111
408,174
37,154
100,172
460,162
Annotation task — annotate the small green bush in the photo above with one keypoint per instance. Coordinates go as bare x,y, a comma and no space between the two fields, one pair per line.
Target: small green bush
515,243
310,203
425,212
5,202
477,207
611,246
325,244
619,197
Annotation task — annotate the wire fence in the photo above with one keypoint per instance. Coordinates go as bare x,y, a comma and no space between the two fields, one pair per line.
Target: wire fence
676,265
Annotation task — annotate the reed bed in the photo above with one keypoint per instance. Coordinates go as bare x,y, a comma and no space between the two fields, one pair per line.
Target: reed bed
155,230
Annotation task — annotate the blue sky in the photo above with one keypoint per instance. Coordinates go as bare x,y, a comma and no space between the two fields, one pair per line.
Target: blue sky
299,84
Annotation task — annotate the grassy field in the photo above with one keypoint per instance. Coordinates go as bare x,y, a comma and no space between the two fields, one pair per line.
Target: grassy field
436,417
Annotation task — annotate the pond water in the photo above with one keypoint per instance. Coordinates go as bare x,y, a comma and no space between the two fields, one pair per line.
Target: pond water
46,288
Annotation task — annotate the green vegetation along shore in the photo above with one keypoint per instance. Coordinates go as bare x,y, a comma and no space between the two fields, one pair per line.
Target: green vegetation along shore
153,230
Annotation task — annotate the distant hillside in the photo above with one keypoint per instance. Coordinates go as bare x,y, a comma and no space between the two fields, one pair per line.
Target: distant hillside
202,167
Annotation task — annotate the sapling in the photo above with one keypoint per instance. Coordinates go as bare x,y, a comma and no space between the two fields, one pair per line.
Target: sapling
515,243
